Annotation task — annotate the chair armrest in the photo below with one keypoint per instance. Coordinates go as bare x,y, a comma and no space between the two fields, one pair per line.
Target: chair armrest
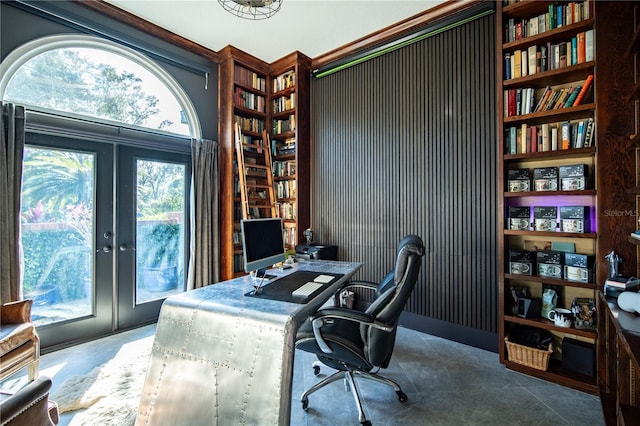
369,285
326,316
29,403
16,312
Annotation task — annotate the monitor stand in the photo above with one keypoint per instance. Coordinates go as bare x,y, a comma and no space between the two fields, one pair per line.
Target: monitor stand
262,273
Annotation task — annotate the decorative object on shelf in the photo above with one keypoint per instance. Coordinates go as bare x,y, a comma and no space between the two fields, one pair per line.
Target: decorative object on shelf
614,264
584,310
561,317
629,301
252,9
549,302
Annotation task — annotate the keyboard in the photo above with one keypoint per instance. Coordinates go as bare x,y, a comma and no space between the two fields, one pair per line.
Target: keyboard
306,289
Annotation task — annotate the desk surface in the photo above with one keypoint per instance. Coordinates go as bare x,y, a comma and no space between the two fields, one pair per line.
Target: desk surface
220,357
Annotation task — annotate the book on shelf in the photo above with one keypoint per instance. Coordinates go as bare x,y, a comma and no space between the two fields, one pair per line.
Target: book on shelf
622,282
583,91
557,15
588,45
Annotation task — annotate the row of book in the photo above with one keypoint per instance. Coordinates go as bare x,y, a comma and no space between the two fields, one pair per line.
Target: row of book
284,81
285,189
249,78
249,124
288,125
289,236
557,15
283,103
524,100
550,56
549,136
287,211
283,168
249,100
283,147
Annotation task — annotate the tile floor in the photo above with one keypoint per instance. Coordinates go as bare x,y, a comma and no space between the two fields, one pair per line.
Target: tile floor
447,383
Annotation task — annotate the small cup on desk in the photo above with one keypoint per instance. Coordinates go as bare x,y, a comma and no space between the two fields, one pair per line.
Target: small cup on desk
561,317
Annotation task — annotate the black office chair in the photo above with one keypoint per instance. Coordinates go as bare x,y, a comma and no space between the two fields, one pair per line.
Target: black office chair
360,343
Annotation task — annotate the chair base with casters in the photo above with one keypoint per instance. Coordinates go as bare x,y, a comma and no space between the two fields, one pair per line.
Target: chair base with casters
349,377
359,343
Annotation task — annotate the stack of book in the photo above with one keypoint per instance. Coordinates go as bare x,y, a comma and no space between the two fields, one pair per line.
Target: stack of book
616,285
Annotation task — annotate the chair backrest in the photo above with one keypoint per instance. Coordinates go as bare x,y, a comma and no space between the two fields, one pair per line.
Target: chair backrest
393,293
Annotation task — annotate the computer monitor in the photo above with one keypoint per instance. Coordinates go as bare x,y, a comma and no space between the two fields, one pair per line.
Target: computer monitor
262,243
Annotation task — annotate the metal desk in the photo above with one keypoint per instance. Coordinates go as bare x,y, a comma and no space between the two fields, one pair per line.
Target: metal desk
222,358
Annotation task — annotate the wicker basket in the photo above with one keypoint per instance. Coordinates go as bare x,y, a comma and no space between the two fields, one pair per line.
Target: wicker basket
531,357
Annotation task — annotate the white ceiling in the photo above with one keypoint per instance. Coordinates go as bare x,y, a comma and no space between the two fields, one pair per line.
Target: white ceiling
313,27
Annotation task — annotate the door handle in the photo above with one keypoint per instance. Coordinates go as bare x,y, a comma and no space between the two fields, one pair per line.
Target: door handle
123,247
105,249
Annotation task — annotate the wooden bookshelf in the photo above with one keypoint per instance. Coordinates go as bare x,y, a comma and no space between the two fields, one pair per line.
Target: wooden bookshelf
249,93
611,169
530,155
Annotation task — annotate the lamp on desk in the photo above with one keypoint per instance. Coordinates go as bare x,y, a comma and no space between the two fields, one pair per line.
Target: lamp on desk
252,9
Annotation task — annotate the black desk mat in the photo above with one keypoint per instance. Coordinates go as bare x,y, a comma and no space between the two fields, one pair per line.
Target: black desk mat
281,288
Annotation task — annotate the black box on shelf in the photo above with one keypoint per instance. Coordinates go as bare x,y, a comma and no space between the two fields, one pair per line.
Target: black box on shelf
519,218
578,267
521,262
518,180
578,356
544,218
573,177
529,308
574,219
545,179
549,263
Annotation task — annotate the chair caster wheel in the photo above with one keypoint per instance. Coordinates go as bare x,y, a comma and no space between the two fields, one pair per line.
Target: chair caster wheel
316,369
366,423
305,404
402,397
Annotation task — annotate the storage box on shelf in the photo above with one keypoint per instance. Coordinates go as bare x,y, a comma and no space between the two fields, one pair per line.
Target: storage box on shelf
548,164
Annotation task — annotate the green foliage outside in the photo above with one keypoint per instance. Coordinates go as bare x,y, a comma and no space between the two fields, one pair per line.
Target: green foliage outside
66,273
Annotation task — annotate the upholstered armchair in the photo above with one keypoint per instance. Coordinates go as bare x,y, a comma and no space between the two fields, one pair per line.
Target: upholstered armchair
30,406
19,342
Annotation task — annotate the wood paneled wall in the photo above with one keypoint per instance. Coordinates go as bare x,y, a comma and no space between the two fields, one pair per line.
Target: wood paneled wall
405,143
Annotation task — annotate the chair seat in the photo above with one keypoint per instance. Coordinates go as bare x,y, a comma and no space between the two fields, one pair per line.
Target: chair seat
15,335
345,340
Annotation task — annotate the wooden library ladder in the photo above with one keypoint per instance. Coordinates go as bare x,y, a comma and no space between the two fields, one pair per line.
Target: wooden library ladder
256,180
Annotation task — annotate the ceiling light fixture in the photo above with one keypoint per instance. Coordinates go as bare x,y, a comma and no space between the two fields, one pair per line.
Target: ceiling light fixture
252,9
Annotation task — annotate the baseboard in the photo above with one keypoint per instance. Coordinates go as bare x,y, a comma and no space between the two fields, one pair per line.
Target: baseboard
458,333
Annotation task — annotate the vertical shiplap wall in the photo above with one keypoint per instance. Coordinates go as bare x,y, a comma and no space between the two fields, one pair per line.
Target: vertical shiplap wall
405,143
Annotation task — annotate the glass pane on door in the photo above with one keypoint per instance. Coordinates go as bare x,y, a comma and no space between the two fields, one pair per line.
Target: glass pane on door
57,229
160,229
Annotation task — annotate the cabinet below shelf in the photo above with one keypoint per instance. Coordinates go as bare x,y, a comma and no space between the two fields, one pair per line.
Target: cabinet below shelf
557,374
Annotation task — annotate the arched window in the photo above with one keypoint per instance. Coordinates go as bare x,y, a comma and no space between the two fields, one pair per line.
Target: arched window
87,76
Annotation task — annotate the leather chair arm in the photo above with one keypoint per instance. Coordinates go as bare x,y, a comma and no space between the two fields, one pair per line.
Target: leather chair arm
16,312
326,316
29,403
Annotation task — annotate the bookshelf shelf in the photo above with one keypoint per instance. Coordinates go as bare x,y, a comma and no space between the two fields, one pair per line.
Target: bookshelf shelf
552,115
556,34
543,156
529,155
552,77
589,192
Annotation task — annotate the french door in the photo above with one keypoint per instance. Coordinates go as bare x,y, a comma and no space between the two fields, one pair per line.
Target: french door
104,234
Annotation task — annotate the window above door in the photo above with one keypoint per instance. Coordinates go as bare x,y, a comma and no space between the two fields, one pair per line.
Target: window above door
84,76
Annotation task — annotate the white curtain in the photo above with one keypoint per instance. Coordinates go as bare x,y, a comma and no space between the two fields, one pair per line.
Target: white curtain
204,267
11,153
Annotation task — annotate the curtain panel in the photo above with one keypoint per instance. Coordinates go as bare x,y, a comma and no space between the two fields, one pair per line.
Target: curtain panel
204,268
11,154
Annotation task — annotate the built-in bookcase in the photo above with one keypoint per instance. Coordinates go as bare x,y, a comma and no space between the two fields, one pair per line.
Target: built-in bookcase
272,97
547,186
